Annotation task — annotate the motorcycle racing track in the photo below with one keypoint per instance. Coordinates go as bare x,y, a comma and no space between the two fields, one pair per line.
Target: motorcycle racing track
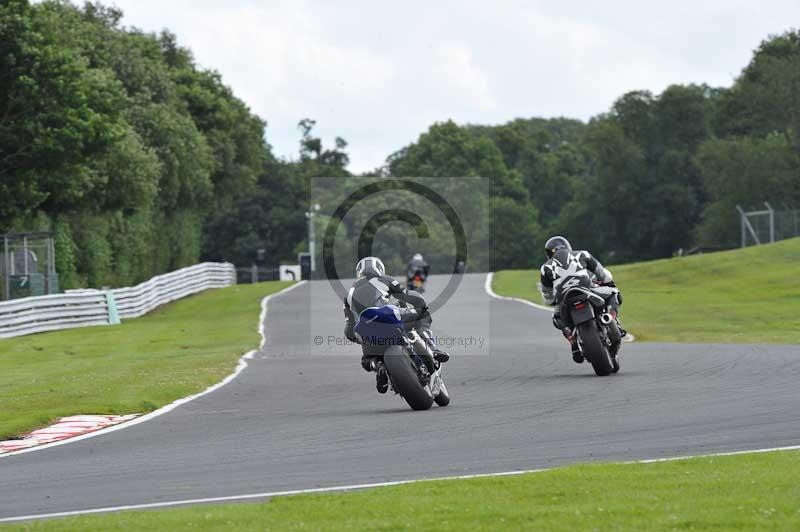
305,416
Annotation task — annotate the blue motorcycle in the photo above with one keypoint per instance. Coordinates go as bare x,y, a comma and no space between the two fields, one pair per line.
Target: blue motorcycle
413,372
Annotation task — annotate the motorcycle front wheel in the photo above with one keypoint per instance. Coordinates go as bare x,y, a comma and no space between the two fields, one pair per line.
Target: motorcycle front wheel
443,398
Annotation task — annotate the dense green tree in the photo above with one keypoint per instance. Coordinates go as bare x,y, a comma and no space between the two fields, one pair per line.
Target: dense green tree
548,156
516,236
766,97
270,215
745,171
57,116
116,141
448,150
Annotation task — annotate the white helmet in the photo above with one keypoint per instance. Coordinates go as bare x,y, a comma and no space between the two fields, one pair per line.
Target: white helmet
370,267
417,257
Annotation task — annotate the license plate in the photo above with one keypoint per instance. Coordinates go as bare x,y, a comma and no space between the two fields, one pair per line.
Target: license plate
581,315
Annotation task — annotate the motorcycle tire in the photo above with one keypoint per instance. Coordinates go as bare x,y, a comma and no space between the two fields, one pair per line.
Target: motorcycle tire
594,350
615,336
443,398
405,379
616,342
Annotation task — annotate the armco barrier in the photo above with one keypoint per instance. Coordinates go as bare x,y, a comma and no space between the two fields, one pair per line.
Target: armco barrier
81,308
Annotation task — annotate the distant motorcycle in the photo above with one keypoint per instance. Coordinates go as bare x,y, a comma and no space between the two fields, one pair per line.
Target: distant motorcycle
413,372
588,307
415,280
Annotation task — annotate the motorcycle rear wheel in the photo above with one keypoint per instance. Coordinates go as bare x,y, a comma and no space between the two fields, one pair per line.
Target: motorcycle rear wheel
405,379
594,350
616,343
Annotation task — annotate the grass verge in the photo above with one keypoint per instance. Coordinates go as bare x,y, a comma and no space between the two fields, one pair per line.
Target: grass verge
748,295
138,366
744,492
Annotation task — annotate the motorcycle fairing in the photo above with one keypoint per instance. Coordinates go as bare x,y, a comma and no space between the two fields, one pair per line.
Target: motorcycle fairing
380,324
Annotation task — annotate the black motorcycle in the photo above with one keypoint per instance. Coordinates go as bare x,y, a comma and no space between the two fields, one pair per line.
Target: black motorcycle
587,310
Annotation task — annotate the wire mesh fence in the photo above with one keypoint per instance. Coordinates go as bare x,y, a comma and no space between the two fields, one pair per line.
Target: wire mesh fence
27,265
768,225
256,274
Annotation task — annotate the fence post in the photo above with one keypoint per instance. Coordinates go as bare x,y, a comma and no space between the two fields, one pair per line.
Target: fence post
771,222
25,253
232,273
253,274
744,229
7,268
51,267
111,303
746,225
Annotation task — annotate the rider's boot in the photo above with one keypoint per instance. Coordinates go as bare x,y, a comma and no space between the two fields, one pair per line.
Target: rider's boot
381,378
368,363
438,354
577,356
622,332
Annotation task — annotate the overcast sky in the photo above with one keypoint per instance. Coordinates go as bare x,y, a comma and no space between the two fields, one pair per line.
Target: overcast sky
380,73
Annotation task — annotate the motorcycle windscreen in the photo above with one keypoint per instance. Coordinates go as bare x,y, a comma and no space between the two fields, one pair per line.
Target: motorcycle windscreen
380,325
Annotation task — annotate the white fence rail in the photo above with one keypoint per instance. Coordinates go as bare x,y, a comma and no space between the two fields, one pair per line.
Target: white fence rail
81,308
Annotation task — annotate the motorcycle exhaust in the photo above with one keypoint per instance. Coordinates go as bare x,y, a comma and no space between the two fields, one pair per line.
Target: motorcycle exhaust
420,347
606,318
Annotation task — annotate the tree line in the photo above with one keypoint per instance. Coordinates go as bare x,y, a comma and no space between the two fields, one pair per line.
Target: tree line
141,162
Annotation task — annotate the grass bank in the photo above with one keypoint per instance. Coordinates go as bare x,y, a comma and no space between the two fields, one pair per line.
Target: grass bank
138,366
746,295
745,492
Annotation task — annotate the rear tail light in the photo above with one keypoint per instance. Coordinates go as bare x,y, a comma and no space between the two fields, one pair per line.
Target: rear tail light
580,305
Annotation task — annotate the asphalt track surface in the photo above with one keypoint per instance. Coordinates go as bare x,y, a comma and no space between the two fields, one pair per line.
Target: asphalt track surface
305,416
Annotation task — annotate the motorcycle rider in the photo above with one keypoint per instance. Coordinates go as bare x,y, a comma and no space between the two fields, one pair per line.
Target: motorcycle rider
549,281
417,265
373,288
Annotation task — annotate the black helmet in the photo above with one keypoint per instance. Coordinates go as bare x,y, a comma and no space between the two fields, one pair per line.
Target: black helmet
555,243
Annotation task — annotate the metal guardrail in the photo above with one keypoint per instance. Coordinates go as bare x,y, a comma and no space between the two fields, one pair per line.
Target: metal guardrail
82,308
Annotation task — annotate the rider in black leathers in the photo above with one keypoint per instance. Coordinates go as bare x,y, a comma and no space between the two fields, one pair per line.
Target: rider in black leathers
373,288
549,283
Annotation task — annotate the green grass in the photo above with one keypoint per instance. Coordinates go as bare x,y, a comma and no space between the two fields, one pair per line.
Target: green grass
745,492
746,295
138,366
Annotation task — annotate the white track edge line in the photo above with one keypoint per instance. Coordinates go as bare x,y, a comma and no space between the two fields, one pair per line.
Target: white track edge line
353,487
178,402
264,495
488,287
